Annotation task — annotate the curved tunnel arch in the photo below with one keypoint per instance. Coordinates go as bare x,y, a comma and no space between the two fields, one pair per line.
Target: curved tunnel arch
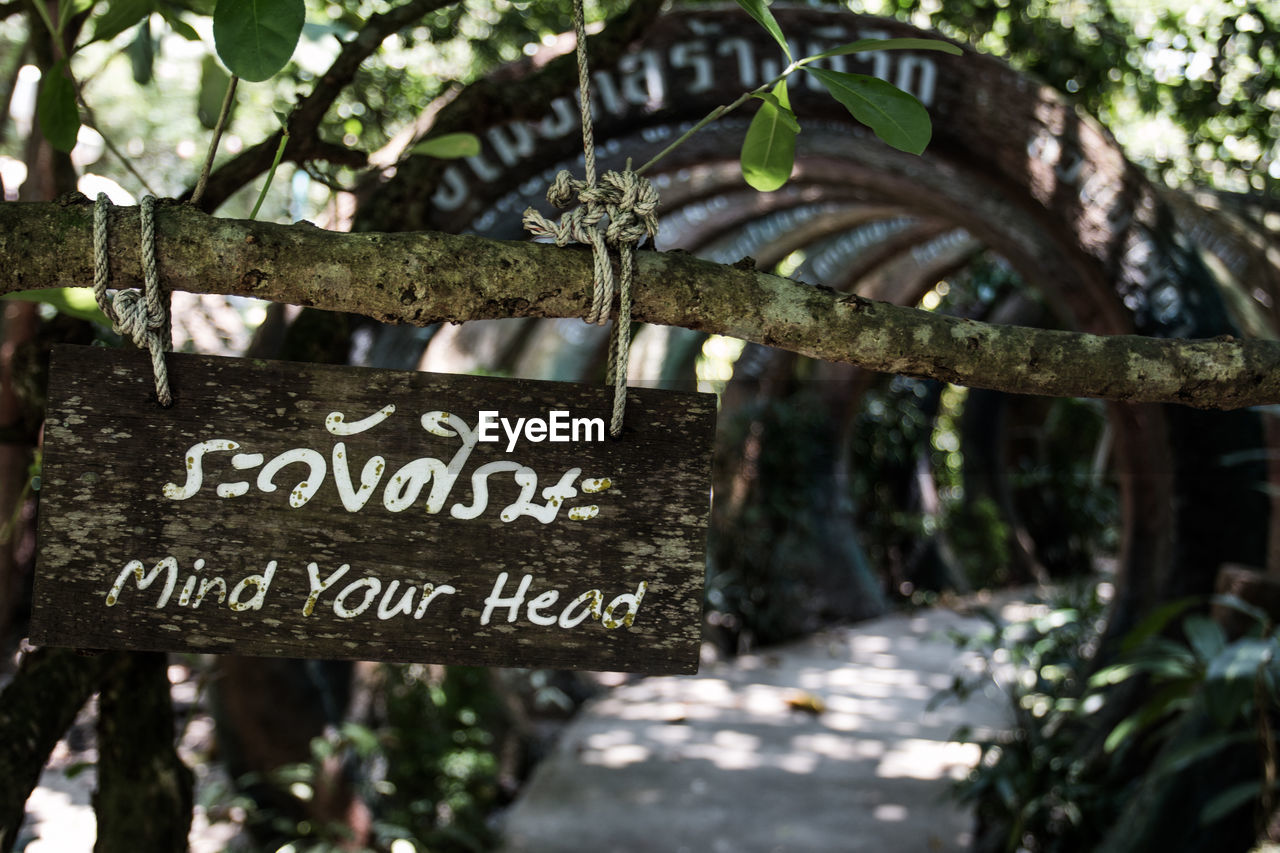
1012,167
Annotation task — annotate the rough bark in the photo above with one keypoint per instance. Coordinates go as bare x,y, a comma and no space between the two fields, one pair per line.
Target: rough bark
36,707
144,797
428,277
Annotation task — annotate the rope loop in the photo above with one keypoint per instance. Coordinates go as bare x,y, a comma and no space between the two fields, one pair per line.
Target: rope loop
619,211
142,316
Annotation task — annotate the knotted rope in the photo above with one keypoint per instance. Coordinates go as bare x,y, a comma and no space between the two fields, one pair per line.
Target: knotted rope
619,211
143,316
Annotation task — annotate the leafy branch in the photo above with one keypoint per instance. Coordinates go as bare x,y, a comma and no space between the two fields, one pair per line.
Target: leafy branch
768,151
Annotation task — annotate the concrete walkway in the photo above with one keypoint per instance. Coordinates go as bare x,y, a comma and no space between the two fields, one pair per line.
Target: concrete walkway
824,745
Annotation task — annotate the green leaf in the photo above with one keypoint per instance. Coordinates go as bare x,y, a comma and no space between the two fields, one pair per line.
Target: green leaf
120,16
449,146
363,738
256,38
1206,637
213,90
1228,801
759,10
179,26
869,45
56,108
69,10
895,116
1167,702
1236,603
1177,760
769,149
1241,661
784,113
142,53
74,770
1156,621
200,7
72,301
1230,681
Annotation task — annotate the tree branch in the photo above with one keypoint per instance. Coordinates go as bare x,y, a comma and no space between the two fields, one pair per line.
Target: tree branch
423,278
311,110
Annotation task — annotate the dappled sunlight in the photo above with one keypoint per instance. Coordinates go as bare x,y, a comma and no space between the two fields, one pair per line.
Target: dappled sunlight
76,827
842,697
617,755
914,758
828,737
839,747
890,812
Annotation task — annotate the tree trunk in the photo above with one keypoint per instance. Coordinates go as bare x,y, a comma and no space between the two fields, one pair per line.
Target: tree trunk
144,797
37,706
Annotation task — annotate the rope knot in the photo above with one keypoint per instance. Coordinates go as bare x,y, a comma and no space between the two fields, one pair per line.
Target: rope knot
142,315
132,317
631,204
563,189
627,201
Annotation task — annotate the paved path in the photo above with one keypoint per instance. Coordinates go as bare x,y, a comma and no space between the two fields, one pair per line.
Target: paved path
824,745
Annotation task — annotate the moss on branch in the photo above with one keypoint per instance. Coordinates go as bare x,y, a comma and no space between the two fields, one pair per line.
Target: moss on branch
423,278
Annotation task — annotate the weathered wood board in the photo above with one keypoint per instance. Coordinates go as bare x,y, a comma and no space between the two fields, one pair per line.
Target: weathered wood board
336,512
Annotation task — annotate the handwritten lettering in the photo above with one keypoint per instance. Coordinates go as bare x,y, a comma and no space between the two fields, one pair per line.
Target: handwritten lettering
620,612
404,486
370,597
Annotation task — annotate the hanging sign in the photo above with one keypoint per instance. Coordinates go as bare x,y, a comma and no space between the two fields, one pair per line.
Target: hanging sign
316,511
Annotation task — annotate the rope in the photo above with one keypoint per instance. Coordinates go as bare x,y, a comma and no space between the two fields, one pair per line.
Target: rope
142,316
619,211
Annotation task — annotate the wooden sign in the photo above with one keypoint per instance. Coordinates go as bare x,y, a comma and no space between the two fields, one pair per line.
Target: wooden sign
336,512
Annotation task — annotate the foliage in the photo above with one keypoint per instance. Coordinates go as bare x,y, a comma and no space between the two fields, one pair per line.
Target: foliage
255,38
440,755
1045,463
1032,784
56,108
890,433
1233,683
449,145
768,150
73,301
1190,88
428,770
1047,794
747,591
